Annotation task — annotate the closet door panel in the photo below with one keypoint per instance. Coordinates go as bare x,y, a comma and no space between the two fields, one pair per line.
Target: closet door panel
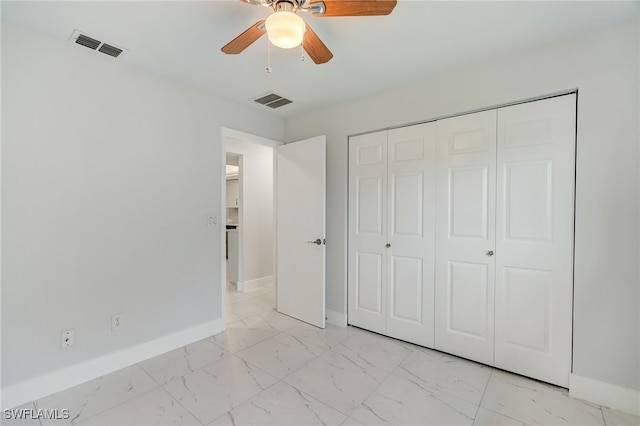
367,297
369,210
368,282
407,204
535,228
526,300
467,294
405,282
411,171
465,236
527,200
467,202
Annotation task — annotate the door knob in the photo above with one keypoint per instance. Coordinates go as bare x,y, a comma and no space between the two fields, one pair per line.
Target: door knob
490,253
387,245
317,242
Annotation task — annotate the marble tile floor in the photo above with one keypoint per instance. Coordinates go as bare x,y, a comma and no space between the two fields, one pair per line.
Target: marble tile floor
270,369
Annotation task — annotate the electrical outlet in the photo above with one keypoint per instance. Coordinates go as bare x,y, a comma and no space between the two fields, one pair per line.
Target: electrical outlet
212,220
66,339
116,322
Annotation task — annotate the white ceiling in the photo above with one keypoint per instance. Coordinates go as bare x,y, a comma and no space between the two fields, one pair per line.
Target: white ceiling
182,40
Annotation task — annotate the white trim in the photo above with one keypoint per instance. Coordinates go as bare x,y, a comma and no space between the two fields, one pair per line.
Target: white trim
241,219
259,282
606,394
275,228
472,111
238,134
336,318
223,221
64,378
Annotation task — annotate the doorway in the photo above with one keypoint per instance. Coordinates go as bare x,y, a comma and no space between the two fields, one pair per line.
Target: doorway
300,208
233,207
248,215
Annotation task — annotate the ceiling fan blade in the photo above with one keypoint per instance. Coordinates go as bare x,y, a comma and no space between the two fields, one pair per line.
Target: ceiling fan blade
245,39
315,48
352,7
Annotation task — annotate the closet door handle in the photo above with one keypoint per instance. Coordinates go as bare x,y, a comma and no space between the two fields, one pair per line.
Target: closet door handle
490,253
387,245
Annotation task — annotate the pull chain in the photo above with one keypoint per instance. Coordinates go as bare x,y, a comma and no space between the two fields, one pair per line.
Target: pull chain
268,69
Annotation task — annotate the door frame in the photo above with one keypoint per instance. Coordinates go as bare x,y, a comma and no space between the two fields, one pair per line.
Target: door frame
225,134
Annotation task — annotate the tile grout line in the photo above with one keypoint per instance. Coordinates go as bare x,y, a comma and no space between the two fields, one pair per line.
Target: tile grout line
278,379
147,373
380,383
327,350
181,404
198,369
504,415
252,396
34,406
230,354
117,405
240,350
482,397
604,419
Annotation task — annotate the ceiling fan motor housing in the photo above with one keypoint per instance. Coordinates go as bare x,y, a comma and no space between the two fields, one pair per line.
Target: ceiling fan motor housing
285,6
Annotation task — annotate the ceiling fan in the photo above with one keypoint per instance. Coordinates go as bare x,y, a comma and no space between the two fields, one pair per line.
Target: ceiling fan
286,29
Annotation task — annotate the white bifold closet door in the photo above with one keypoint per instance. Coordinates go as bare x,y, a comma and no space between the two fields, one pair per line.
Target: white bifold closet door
391,232
367,296
465,235
504,262
534,238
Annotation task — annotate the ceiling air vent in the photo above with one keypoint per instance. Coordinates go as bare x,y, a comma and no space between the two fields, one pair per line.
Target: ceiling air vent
82,39
272,100
110,50
88,42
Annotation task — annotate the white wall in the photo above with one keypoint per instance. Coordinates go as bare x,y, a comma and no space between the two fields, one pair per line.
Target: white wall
256,221
108,176
604,67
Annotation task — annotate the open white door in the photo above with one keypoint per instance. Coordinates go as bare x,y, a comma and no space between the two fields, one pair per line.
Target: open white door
300,244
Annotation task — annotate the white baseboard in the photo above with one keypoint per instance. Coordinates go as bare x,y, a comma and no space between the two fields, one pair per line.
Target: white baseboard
67,377
336,318
257,283
606,394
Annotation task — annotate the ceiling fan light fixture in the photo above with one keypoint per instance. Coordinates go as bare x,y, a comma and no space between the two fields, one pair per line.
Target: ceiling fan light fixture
285,29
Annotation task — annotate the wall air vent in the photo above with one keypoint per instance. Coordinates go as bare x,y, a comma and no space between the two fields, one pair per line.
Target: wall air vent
79,37
272,100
